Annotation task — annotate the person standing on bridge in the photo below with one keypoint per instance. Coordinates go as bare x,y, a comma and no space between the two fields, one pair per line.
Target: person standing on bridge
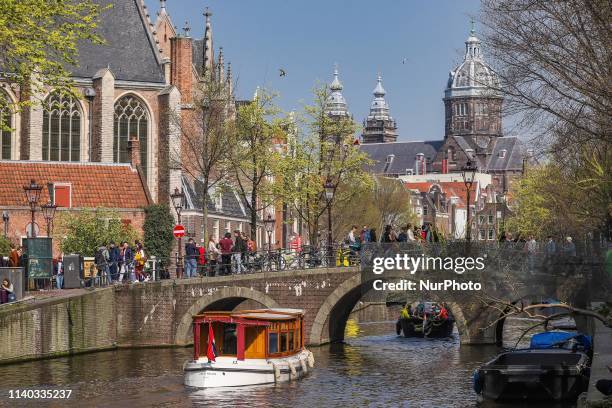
191,256
239,249
226,245
531,247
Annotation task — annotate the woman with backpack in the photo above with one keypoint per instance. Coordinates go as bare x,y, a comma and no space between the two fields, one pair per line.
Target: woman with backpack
139,262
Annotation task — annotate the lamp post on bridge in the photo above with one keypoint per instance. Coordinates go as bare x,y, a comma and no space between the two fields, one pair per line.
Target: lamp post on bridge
329,196
48,211
5,218
269,226
178,202
32,192
468,172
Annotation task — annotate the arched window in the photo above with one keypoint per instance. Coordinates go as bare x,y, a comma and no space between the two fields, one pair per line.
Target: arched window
131,121
6,127
61,128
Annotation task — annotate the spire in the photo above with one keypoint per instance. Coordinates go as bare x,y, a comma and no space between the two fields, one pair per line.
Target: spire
336,85
472,44
220,66
228,79
379,108
208,59
162,7
336,104
186,29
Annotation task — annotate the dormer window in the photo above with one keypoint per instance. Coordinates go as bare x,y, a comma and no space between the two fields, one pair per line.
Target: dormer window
219,202
502,153
388,162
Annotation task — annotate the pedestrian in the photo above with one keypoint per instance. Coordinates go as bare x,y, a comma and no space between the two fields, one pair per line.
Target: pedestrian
373,237
238,249
410,233
531,247
201,259
569,248
140,259
226,245
213,255
101,259
14,257
126,260
403,235
388,235
7,293
244,256
59,277
113,261
191,256
365,235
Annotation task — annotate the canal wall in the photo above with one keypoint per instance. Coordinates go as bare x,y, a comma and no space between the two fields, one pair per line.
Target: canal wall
58,326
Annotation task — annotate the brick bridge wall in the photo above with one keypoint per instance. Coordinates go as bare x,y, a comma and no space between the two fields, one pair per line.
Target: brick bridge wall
159,313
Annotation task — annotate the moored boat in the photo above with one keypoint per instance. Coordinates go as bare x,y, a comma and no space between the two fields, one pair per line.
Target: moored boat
553,369
247,348
425,319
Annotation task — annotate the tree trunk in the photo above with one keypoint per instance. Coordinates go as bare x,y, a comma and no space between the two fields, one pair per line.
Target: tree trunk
254,214
204,227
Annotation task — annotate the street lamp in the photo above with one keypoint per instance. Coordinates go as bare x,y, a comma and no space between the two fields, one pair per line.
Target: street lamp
269,226
468,172
48,211
5,218
178,202
329,196
32,192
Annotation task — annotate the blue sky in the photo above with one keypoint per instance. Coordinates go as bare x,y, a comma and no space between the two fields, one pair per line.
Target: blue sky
364,37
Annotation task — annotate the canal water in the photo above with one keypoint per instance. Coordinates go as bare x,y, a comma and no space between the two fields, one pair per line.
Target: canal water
375,368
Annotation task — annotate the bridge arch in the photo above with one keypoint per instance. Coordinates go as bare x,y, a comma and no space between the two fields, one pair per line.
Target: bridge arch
226,298
330,322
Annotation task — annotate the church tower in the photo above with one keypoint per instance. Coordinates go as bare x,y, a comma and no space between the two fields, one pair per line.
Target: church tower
472,102
379,126
336,104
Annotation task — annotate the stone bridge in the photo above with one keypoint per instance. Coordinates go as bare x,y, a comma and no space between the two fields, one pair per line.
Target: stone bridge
160,313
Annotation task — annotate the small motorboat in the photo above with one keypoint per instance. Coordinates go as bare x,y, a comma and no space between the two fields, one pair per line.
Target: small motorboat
248,347
425,319
553,369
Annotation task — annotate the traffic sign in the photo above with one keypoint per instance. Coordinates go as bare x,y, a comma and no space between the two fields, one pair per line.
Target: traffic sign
178,231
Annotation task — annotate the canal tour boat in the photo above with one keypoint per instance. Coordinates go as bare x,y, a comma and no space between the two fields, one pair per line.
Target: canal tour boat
425,319
247,347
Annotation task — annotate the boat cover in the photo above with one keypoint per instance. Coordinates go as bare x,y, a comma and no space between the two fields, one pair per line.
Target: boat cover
554,339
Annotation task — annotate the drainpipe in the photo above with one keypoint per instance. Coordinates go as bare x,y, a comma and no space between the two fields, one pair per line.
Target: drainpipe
90,94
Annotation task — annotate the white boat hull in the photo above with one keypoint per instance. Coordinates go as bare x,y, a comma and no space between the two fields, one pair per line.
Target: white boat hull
230,372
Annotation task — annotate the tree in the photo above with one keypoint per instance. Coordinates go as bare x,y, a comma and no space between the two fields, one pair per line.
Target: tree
553,59
387,201
158,226
326,155
39,39
84,231
572,198
251,162
5,246
207,131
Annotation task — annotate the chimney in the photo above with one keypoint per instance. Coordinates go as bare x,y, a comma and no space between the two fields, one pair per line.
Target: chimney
419,164
134,146
181,65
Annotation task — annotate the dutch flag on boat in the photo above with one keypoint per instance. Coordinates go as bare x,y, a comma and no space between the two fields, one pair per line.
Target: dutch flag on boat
211,352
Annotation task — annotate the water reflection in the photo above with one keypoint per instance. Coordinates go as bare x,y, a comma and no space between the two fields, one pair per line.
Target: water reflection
375,368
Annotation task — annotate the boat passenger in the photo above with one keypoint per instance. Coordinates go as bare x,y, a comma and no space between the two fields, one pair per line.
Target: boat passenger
405,314
443,315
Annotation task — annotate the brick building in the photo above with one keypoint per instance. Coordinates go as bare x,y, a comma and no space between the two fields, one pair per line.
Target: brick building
72,187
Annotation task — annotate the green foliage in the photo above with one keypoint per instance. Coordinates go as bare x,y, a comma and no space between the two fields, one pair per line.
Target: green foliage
325,155
5,246
39,39
157,228
84,231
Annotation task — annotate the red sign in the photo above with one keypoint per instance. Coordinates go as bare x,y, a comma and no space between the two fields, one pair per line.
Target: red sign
178,231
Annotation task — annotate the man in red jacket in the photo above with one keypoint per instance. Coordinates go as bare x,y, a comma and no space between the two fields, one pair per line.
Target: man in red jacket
226,245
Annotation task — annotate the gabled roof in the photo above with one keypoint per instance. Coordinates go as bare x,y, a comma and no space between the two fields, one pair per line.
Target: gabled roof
404,155
450,189
92,184
231,205
129,50
513,159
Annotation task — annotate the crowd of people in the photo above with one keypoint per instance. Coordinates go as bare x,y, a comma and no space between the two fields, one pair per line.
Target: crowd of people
223,258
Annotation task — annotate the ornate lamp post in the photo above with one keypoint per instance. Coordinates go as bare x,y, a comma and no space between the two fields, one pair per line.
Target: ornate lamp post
48,211
178,202
32,193
329,195
468,172
269,226
5,218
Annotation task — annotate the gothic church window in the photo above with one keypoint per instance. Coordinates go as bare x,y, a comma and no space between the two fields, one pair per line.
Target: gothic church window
131,122
6,126
61,128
